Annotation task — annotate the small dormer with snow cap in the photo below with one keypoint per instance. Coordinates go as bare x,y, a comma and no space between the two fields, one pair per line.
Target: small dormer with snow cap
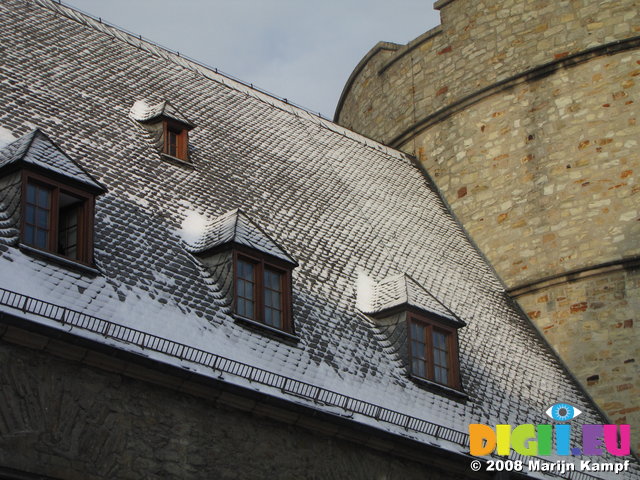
168,127
47,200
420,329
252,270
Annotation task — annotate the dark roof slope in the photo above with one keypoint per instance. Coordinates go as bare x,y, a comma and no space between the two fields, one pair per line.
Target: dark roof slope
338,203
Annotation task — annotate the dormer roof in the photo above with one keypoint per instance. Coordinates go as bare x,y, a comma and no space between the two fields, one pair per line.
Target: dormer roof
36,150
145,112
398,291
235,227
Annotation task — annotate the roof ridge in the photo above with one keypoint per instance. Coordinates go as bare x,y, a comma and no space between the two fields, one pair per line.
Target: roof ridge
212,73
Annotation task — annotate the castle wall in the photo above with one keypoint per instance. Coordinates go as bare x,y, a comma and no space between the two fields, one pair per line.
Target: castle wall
479,44
524,113
593,324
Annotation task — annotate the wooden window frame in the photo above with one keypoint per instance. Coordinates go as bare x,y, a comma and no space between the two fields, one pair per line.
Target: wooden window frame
182,140
452,346
261,263
85,217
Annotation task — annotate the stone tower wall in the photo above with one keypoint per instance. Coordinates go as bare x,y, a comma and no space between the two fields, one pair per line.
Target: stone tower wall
524,112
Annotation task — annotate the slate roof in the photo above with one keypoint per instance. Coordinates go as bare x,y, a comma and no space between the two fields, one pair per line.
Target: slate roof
235,227
338,203
37,150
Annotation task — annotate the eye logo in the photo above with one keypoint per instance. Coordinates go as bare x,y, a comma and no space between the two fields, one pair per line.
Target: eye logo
562,412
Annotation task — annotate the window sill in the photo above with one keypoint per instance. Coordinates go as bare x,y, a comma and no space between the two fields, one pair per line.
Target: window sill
176,160
65,262
261,326
431,385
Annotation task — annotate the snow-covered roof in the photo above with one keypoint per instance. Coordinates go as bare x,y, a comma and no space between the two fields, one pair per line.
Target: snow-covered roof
338,203
235,227
396,291
37,150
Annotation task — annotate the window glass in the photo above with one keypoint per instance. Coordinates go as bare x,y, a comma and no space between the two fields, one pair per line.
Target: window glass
418,350
440,357
68,217
431,349
37,216
273,298
245,289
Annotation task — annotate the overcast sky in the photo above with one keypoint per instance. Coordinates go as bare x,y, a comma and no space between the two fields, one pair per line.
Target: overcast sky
302,50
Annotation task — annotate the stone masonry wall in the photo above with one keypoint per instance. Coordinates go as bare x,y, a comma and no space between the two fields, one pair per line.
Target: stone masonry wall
593,324
480,43
544,177
74,422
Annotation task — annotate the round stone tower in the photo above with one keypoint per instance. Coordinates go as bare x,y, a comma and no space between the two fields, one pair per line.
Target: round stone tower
525,114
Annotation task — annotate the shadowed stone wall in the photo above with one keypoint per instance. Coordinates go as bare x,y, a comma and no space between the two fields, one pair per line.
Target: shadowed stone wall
524,113
70,421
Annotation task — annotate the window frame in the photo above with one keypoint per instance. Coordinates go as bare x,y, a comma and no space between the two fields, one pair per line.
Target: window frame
451,333
262,262
84,239
182,139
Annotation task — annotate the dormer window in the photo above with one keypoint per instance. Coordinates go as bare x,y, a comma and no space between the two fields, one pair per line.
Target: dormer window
56,218
56,197
169,127
176,140
261,270
424,332
433,349
262,290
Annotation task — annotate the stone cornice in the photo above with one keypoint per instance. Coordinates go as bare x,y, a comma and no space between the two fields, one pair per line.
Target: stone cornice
534,73
574,275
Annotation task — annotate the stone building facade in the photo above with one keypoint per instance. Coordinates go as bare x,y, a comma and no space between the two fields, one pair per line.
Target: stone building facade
524,113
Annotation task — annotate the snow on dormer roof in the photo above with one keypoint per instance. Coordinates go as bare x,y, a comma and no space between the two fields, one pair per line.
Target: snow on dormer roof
237,228
37,150
375,298
143,111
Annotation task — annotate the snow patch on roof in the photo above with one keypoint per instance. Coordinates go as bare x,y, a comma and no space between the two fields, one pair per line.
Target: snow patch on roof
6,137
193,228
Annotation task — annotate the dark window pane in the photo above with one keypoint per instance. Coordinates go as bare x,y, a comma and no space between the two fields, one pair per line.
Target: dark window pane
29,234
245,270
43,197
30,214
417,349
439,340
272,280
42,218
441,375
273,318
41,239
31,193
